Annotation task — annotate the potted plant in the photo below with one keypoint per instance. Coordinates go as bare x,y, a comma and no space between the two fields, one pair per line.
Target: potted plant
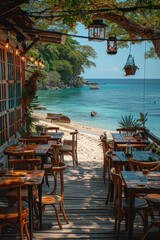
130,67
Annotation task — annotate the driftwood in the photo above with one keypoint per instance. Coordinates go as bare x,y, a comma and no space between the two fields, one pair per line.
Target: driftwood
58,117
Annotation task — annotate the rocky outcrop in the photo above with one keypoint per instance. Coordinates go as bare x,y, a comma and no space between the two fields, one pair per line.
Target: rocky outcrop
58,118
93,114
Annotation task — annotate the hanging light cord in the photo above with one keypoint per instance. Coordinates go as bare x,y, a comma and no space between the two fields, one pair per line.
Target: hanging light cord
144,83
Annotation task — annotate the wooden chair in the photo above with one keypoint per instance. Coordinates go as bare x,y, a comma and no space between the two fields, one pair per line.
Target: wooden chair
135,165
69,147
152,199
121,204
106,146
55,159
109,163
14,215
24,164
53,198
154,223
20,154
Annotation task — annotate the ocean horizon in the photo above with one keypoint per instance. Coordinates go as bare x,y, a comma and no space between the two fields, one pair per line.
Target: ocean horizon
114,98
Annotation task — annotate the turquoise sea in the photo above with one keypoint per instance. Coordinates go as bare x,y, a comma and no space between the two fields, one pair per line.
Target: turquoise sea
113,99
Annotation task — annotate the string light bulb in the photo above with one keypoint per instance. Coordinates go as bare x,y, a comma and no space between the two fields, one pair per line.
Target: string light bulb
31,58
17,50
36,62
7,43
23,58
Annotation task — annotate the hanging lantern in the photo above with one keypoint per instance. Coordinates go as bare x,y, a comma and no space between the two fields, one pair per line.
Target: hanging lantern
112,44
130,67
96,30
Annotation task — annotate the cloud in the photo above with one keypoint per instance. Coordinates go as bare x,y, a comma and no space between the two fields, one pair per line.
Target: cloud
112,69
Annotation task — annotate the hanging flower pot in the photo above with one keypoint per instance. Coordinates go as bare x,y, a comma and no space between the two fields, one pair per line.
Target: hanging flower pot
130,67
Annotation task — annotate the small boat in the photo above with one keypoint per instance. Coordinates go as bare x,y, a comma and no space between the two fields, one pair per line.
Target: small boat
94,87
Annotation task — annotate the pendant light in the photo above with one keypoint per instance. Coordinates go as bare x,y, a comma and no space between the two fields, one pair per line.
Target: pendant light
97,30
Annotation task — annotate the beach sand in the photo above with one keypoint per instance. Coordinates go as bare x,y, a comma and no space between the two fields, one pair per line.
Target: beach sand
88,140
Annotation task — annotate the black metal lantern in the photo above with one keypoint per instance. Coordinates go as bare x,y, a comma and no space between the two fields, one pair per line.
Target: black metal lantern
112,44
96,30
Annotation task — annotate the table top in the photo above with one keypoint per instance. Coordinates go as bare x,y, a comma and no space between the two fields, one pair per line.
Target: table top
34,177
135,180
120,138
142,156
39,149
52,135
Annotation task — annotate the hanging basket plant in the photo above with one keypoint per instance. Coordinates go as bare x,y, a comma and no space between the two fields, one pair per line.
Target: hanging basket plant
130,67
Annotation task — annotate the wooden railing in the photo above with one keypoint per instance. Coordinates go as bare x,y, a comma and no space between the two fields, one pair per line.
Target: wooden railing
144,131
152,136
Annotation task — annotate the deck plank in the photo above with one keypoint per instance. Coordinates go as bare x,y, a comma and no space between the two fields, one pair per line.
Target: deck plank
89,216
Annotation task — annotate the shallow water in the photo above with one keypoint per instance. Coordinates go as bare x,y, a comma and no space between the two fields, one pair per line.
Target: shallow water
113,99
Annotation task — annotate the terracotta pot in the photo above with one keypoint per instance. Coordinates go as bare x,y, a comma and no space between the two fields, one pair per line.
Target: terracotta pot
130,71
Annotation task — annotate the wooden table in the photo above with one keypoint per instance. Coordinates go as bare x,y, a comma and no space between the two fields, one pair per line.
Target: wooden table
40,150
120,159
132,179
121,140
30,178
55,136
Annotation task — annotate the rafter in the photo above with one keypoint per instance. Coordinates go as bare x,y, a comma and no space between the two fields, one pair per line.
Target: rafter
12,6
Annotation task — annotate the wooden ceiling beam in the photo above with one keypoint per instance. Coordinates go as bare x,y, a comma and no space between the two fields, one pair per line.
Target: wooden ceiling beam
11,7
30,46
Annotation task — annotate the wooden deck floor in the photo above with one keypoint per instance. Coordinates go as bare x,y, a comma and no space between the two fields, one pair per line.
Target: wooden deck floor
89,216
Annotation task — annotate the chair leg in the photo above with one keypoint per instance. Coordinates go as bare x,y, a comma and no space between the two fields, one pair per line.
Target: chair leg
46,177
63,212
26,231
57,216
55,183
146,232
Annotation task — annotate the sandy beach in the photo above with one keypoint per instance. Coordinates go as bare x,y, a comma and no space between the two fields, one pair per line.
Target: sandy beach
88,140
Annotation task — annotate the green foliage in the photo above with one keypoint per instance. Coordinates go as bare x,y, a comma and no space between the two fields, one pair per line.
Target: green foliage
143,118
65,62
128,121
38,128
64,68
134,19
29,97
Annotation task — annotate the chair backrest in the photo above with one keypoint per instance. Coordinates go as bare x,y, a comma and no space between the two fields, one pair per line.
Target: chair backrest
55,154
72,142
24,164
139,166
105,145
14,183
21,154
117,180
59,169
109,160
52,128
33,140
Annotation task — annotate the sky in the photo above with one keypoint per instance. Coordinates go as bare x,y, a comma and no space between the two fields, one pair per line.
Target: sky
111,66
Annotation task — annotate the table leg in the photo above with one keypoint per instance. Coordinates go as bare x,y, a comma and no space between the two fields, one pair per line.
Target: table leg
40,205
30,205
131,213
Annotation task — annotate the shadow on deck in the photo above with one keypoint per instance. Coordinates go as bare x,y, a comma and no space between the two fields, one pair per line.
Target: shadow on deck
89,216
